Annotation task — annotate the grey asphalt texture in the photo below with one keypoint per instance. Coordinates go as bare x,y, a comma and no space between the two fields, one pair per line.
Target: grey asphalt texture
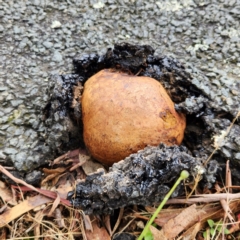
40,37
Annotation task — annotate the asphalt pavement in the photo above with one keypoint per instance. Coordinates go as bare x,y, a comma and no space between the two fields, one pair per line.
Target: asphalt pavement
40,37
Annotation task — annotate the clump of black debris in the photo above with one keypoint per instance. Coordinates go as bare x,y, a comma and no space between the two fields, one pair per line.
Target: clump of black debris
145,177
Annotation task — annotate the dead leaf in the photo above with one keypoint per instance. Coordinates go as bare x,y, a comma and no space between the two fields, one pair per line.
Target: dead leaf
235,226
76,222
120,215
30,187
63,190
6,195
59,219
165,215
3,208
53,174
54,205
207,198
228,211
107,223
64,185
66,177
22,208
83,157
3,233
54,170
99,233
76,165
191,233
44,192
90,165
186,218
228,177
87,222
157,235
37,220
69,154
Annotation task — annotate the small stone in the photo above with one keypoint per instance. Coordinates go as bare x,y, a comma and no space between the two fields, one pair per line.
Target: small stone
47,44
3,88
34,178
57,45
4,127
2,156
176,23
225,33
8,110
217,56
33,92
9,97
2,133
57,56
36,2
18,122
226,152
20,160
16,103
13,142
22,44
17,30
56,24
98,5
10,151
19,131
1,28
237,156
211,74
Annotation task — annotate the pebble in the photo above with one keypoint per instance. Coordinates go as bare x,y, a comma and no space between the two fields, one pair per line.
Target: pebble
2,156
20,160
9,151
34,178
1,28
13,142
16,103
57,57
56,24
47,44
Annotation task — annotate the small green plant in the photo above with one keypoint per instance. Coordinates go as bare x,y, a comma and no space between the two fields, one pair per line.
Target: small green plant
146,233
215,228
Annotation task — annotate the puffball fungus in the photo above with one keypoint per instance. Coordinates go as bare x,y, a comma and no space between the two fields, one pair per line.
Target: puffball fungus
123,114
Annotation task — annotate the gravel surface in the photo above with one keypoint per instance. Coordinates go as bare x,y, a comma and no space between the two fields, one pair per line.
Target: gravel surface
40,38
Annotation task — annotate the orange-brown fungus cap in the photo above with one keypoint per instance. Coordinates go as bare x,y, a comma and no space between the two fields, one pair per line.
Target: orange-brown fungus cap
123,114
